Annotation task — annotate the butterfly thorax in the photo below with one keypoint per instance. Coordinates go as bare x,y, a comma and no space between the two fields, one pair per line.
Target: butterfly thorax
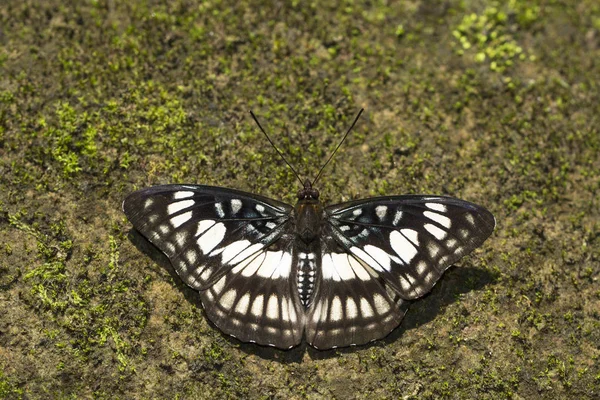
308,220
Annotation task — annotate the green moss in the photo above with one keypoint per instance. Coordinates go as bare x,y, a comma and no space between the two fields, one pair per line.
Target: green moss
8,388
98,99
489,35
86,309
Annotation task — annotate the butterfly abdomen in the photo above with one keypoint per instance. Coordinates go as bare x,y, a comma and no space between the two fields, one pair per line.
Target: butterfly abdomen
307,274
307,215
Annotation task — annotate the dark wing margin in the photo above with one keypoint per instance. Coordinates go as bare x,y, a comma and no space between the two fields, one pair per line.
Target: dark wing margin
233,247
409,241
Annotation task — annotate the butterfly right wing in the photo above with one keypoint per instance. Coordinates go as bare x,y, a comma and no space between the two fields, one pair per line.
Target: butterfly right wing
235,248
378,253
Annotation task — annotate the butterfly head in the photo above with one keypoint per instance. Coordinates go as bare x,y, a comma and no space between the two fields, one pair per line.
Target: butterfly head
308,192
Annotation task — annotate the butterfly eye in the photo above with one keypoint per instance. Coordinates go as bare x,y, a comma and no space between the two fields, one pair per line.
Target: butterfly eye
308,194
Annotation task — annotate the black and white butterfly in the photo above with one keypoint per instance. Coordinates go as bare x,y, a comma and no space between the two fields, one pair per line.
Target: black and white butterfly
274,274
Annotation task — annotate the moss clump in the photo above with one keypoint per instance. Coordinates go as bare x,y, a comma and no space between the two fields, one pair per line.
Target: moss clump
85,304
491,34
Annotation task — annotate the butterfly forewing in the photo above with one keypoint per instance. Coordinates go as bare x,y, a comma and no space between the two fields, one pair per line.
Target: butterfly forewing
205,230
409,241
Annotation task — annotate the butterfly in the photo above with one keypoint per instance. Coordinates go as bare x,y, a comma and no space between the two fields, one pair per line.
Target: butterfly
275,274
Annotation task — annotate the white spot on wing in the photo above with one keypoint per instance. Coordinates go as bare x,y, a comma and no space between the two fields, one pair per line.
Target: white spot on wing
204,225
206,273
211,238
248,252
382,258
358,252
182,266
148,203
436,206
439,218
357,212
421,267
236,205
438,233
328,269
257,306
351,309
365,308
240,266
411,235
433,249
179,205
292,310
470,219
429,277
218,287
182,195
285,265
342,266
336,311
285,309
381,211
227,299
318,311
397,217
270,264
191,256
381,304
233,250
260,208
219,210
359,269
273,307
181,219
180,238
406,286
402,246
253,266
270,225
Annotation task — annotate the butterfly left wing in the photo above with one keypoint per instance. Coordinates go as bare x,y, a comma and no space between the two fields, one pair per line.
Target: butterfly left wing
377,253
235,248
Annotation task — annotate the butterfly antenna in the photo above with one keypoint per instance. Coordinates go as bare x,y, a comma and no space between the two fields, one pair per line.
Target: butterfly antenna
275,147
338,146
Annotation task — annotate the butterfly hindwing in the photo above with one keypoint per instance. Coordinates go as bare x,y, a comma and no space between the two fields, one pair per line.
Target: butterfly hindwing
409,241
352,304
256,300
